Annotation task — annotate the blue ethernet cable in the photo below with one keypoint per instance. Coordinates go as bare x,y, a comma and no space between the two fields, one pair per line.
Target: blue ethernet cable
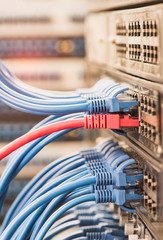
131,198
47,101
48,209
60,211
42,200
108,94
62,228
27,224
118,197
106,88
129,162
73,235
40,184
42,178
58,180
19,86
34,186
52,206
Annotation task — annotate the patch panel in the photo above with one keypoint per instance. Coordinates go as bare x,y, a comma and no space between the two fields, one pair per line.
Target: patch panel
139,30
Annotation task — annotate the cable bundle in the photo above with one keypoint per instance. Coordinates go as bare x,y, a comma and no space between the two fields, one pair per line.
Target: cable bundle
100,175
102,97
68,182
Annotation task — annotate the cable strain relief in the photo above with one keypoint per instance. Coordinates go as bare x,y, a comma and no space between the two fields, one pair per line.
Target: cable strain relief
90,154
95,121
99,105
92,229
87,220
93,157
94,235
103,196
94,96
97,187
103,177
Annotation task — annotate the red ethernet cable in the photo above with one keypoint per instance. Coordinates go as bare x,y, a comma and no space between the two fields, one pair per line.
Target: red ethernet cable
102,121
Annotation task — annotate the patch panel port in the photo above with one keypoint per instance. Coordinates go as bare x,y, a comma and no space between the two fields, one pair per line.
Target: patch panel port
145,177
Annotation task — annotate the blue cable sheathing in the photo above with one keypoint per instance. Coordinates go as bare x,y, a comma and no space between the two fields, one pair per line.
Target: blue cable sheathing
42,200
48,208
60,211
62,228
23,198
47,101
33,185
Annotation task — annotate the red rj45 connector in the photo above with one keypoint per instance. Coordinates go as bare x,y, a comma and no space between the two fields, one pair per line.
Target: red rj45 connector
110,121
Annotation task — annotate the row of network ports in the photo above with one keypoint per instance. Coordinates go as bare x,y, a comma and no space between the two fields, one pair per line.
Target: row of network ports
150,205
148,105
150,180
148,112
151,184
145,54
148,28
148,131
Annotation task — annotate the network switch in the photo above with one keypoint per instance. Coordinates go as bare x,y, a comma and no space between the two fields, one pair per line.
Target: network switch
131,40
